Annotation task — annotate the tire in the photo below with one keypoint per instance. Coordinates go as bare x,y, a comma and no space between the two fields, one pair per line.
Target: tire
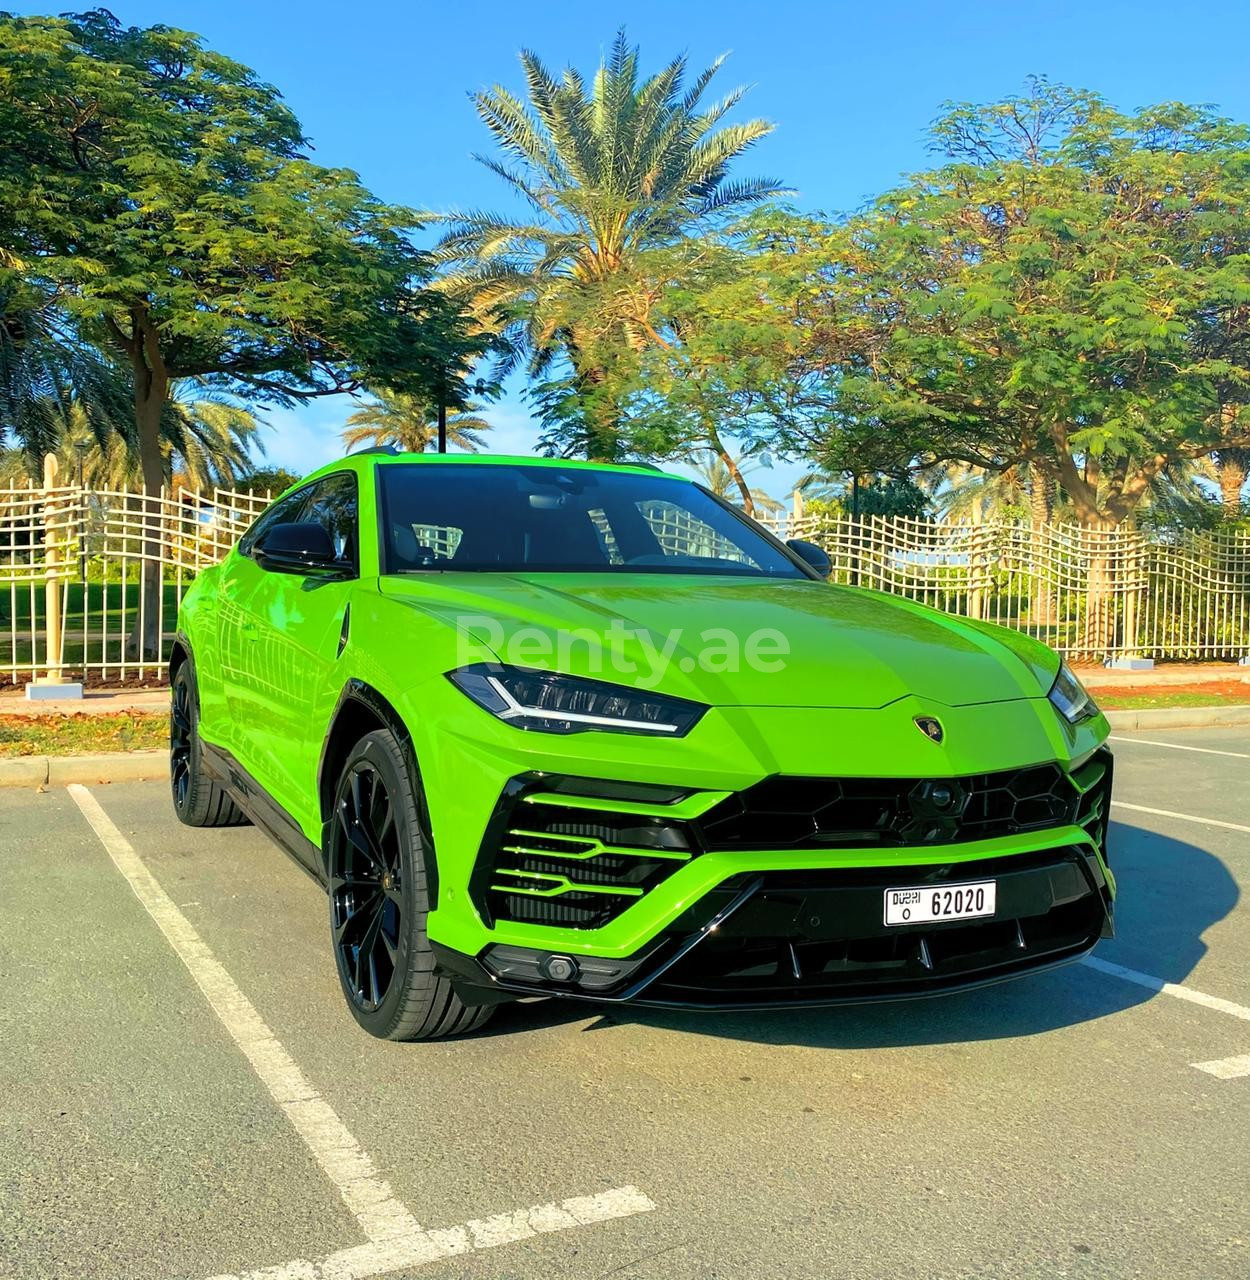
379,900
198,800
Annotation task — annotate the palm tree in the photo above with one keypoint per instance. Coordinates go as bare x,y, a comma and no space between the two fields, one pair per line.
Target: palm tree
1231,467
206,441
625,180
725,481
46,371
411,424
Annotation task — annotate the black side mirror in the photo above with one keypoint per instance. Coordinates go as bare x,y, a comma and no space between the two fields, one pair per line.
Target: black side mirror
298,548
812,556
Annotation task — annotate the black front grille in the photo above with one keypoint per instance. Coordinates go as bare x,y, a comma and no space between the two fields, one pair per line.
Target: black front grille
784,812
567,852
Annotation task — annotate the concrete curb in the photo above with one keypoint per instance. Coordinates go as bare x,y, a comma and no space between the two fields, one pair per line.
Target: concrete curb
104,766
1179,718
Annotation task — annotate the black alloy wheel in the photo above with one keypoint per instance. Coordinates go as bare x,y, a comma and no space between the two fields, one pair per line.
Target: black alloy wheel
199,801
181,729
366,886
377,843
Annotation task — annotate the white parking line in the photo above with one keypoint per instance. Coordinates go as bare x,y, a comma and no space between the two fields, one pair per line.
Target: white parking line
1180,746
1226,1068
1152,983
394,1238
1223,1068
377,1258
1180,817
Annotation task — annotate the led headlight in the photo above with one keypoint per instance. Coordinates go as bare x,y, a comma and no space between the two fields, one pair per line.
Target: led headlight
1069,698
555,703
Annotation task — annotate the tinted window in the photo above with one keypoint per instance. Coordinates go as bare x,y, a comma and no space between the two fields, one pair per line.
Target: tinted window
284,511
331,503
556,520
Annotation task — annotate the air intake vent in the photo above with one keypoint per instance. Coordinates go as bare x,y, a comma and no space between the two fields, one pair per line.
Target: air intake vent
555,856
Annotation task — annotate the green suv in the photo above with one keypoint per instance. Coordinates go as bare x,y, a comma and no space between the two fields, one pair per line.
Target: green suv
545,728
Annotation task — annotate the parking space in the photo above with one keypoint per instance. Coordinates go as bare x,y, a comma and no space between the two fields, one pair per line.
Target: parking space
174,1062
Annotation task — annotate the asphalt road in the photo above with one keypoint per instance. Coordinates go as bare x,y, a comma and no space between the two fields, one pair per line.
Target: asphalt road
1055,1126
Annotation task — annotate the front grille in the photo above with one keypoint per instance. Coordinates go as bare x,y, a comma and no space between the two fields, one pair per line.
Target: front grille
576,852
784,812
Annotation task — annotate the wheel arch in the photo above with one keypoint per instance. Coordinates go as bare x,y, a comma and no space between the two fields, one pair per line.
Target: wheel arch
362,709
179,654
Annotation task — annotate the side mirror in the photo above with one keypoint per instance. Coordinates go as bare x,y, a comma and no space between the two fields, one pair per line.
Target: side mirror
811,555
298,548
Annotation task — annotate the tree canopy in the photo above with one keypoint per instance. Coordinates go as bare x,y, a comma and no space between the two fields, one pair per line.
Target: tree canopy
164,195
1071,289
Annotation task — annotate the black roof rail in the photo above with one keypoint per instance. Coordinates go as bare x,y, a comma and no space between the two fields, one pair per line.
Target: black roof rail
375,448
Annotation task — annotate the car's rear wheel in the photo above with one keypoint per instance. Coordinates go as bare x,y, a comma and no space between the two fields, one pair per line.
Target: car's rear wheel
198,800
379,900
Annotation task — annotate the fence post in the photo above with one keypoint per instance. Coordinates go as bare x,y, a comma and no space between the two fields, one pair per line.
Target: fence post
51,560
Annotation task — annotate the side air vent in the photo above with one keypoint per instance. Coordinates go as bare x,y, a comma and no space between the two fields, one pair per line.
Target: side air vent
555,855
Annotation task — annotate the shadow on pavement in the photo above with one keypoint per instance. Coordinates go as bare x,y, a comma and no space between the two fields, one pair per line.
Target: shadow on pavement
1170,893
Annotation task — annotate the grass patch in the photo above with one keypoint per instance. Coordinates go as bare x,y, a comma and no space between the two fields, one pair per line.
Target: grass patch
72,735
1221,693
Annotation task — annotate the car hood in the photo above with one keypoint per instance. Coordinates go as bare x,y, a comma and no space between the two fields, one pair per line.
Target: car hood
821,645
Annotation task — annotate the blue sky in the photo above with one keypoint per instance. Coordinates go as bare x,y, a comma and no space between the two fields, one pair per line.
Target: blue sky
383,88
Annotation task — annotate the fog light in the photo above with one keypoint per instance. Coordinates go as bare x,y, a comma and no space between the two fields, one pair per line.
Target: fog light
558,968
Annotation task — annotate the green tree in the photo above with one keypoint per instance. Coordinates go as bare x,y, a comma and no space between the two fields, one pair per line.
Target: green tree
270,480
410,423
164,195
626,181
1071,290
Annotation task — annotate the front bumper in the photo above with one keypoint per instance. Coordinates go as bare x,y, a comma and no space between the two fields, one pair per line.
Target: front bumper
656,942
776,938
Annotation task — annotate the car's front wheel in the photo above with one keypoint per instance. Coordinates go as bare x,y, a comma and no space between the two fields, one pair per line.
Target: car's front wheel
379,899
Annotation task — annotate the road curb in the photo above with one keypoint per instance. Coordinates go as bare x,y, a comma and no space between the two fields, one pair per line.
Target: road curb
103,766
1179,718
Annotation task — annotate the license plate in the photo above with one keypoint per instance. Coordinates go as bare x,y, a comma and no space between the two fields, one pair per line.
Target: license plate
927,903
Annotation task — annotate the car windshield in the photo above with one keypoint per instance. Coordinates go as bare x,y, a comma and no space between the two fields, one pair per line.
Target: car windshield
544,519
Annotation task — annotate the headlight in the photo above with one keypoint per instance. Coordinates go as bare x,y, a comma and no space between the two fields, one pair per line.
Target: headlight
1069,698
569,704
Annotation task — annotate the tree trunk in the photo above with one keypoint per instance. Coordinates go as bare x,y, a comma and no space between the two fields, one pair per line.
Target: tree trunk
1231,469
1098,637
731,465
151,389
1041,497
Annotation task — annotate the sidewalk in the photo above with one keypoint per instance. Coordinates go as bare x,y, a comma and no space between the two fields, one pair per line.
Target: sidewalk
1165,675
93,703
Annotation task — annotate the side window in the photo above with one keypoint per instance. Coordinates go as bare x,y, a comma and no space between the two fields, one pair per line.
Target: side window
285,511
332,504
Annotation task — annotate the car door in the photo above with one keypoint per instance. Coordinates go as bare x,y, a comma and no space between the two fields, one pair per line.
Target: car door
287,630
236,628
